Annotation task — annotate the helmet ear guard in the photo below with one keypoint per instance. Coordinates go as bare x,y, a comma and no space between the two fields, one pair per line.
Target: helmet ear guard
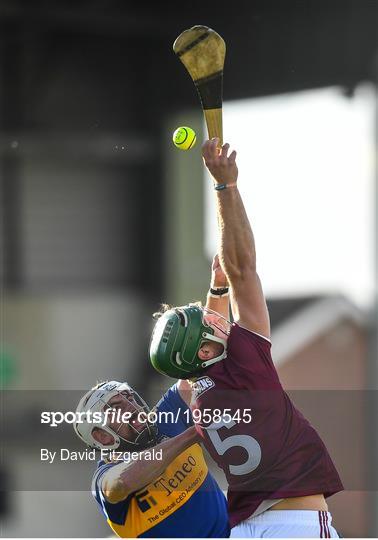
177,338
98,445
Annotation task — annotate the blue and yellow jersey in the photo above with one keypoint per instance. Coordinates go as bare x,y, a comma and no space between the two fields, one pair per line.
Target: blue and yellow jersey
185,501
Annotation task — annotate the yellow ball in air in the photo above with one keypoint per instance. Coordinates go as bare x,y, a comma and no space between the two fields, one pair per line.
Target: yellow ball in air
184,138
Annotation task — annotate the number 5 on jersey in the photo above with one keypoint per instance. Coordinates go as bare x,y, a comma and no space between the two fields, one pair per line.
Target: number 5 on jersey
244,441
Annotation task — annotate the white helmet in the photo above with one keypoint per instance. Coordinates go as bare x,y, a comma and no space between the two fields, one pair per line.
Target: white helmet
95,400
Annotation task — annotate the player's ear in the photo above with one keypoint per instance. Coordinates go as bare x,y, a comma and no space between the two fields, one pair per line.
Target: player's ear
101,436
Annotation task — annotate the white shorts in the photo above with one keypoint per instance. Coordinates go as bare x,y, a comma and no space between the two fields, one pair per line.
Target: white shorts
286,524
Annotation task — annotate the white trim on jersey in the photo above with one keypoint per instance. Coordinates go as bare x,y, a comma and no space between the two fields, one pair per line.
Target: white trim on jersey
253,332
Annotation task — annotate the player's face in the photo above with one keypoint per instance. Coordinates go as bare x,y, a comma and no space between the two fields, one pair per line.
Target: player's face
209,350
126,403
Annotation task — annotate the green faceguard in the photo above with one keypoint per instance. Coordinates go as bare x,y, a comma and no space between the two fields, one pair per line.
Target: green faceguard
176,339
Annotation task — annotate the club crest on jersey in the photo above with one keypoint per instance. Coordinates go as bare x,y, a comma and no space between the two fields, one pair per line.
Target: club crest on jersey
201,385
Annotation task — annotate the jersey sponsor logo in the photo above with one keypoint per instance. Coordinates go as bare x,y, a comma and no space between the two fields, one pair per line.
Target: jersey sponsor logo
169,484
202,385
158,500
145,500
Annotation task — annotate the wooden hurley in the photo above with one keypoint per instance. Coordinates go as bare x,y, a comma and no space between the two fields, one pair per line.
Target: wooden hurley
202,51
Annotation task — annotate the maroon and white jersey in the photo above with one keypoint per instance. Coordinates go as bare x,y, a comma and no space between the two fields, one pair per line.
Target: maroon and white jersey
265,446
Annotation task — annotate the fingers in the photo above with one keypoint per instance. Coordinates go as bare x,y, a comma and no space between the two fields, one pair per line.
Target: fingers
222,167
232,157
210,150
215,264
224,150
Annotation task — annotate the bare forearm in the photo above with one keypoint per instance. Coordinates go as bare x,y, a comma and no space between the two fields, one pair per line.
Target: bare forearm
143,471
125,478
236,244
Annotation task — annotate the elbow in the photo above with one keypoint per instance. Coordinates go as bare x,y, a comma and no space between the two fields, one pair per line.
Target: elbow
114,491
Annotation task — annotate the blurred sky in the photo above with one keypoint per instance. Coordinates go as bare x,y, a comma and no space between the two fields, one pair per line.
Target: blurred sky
306,174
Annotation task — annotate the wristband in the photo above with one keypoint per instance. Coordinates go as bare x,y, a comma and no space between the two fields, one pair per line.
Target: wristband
218,292
221,187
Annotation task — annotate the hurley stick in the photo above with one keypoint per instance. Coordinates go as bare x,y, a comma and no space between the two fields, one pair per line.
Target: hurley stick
202,51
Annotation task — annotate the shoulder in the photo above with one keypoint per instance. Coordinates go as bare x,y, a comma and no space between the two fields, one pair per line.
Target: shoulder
171,400
242,336
249,352
102,468
113,512
178,417
96,489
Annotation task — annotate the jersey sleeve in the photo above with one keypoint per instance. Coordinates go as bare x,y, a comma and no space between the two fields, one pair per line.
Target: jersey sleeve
250,354
113,512
174,416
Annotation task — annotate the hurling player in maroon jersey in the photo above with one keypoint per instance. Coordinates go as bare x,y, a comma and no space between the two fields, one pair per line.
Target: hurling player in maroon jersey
278,469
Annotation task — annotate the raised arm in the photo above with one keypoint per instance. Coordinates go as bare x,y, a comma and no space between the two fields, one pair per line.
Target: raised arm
126,478
218,283
236,247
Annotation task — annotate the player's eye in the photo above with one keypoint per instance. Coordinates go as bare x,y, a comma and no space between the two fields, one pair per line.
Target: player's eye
128,395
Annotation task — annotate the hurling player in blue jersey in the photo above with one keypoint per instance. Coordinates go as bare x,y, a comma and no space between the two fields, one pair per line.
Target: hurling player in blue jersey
151,495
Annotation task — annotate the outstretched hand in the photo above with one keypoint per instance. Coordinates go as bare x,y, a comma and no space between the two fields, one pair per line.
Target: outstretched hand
222,167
